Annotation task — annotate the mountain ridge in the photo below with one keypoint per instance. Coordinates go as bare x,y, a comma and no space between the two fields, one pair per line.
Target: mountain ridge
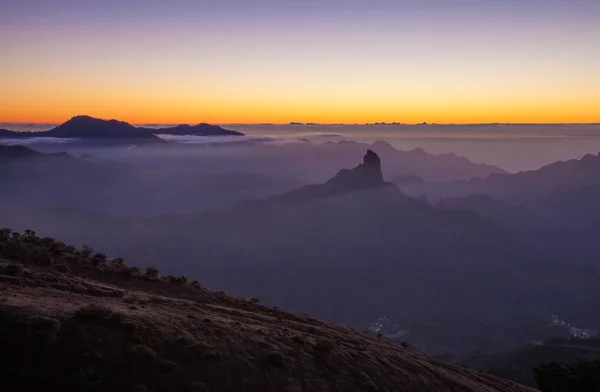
87,127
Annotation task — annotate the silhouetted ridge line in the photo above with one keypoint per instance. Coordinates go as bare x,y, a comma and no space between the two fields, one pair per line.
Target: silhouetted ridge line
9,153
87,127
365,176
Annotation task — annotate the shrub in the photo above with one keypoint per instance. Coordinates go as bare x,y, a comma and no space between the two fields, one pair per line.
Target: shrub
255,300
86,251
130,272
152,272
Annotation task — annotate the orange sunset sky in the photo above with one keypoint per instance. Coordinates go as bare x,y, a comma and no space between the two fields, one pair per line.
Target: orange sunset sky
327,62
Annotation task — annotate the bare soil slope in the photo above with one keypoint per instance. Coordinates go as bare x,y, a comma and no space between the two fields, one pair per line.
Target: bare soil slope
70,320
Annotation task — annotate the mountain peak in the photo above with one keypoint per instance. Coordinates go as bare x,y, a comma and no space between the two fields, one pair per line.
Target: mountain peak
83,126
365,175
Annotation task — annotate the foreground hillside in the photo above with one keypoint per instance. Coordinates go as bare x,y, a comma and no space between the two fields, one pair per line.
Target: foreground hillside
72,320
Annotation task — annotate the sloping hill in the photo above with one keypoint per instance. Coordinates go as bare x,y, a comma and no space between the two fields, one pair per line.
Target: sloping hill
71,320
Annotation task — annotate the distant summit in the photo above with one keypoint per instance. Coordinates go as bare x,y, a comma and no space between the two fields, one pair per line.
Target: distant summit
202,129
366,175
87,127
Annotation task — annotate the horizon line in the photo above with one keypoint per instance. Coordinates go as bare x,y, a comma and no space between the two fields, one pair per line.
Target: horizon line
293,123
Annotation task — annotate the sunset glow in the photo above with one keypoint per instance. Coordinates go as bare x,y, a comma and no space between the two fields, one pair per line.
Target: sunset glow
310,61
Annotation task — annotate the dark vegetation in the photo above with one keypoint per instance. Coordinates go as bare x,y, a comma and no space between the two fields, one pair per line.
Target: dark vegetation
518,364
581,376
91,327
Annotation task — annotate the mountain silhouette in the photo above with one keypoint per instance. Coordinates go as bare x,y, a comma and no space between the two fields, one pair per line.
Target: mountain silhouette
523,188
431,167
86,127
22,153
564,193
198,130
89,127
366,175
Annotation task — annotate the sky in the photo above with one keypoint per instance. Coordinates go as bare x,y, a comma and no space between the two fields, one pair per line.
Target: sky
325,61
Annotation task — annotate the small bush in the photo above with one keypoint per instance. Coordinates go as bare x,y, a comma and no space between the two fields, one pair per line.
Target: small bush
255,300
86,251
152,272
130,272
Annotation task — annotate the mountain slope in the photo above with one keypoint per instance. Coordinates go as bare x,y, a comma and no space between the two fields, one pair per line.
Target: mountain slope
70,320
520,219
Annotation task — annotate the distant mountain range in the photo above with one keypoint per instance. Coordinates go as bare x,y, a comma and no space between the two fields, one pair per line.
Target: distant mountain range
523,188
86,127
350,249
442,167
113,186
556,206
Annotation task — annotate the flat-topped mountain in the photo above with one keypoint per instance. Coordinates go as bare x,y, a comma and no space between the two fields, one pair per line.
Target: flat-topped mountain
71,319
197,130
86,127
